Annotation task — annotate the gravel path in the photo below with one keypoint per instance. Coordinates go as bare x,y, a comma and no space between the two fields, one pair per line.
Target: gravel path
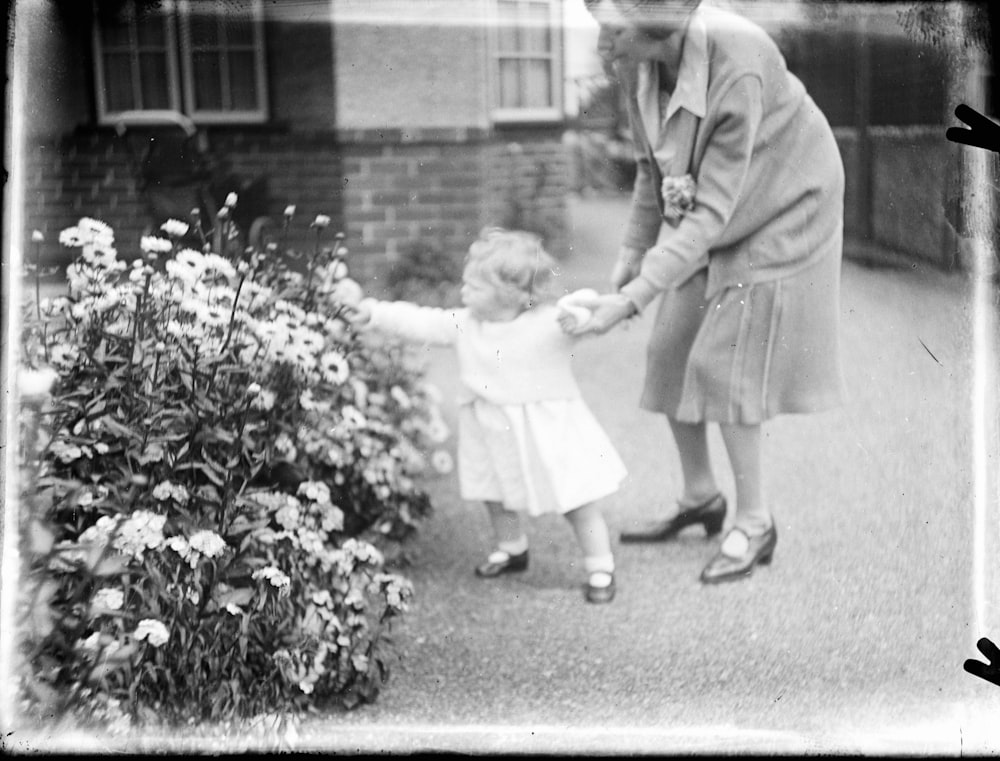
852,641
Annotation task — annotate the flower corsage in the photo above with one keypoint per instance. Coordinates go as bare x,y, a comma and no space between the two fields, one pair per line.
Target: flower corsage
678,197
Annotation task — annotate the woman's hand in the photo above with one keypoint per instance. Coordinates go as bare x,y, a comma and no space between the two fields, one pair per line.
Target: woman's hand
626,268
607,311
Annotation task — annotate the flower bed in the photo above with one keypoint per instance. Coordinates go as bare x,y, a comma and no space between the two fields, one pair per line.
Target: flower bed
214,478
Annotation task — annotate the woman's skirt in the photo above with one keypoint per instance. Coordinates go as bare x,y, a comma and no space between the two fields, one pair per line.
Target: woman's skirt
748,353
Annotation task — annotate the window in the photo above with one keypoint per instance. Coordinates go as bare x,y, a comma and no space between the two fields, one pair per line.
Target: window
527,60
204,59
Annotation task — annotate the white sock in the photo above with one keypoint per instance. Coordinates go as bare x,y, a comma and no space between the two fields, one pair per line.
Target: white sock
515,547
599,568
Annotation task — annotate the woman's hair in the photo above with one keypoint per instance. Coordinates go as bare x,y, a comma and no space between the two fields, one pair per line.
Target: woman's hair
656,18
514,260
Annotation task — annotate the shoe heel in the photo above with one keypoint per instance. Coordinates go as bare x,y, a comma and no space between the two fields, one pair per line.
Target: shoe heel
713,523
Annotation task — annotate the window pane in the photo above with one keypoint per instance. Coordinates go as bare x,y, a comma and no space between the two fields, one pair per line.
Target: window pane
507,30
242,81
151,30
536,22
537,84
204,29
207,82
118,82
238,23
510,89
115,35
153,80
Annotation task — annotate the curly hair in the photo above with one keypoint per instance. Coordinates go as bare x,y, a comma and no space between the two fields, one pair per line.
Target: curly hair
515,261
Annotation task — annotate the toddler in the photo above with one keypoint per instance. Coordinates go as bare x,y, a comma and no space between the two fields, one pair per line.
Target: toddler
527,443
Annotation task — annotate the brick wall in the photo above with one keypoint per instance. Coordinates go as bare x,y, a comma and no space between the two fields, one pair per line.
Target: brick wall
382,188
445,185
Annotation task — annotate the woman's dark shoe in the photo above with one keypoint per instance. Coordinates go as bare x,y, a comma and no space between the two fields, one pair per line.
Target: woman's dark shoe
725,567
597,594
500,562
711,514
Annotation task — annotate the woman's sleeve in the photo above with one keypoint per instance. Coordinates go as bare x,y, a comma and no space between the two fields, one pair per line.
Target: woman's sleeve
644,213
721,178
415,323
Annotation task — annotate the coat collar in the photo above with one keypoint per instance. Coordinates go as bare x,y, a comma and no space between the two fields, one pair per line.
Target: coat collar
691,92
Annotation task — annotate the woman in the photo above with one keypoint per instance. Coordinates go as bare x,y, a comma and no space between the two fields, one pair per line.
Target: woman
737,220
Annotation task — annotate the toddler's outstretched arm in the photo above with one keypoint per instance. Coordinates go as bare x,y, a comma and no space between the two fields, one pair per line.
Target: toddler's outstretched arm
408,321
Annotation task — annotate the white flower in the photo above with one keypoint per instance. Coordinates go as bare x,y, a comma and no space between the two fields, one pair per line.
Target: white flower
64,355
437,430
333,518
152,630
352,416
360,662
93,642
231,200
180,545
208,543
334,368
274,576
264,401
321,221
108,599
284,445
287,516
253,389
442,462
153,244
36,236
175,228
169,490
233,609
317,491
66,453
401,397
143,530
290,210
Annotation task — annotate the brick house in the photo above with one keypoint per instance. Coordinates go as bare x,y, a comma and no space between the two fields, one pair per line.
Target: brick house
403,120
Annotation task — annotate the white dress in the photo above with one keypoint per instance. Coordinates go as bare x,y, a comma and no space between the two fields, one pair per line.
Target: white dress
526,438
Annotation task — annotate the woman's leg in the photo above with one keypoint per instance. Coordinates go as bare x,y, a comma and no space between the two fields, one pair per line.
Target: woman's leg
743,443
696,465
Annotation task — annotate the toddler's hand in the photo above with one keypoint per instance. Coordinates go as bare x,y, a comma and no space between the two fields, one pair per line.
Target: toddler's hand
359,314
572,315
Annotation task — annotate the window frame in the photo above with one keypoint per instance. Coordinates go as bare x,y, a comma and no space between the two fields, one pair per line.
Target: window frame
180,70
533,114
206,116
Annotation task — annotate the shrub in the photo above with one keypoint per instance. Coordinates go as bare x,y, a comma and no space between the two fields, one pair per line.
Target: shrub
217,466
425,273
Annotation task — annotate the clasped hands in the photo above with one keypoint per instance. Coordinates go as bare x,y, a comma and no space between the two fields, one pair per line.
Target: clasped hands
606,310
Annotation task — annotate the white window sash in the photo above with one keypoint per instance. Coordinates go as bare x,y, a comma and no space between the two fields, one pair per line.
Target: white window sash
214,116
104,114
180,72
554,56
